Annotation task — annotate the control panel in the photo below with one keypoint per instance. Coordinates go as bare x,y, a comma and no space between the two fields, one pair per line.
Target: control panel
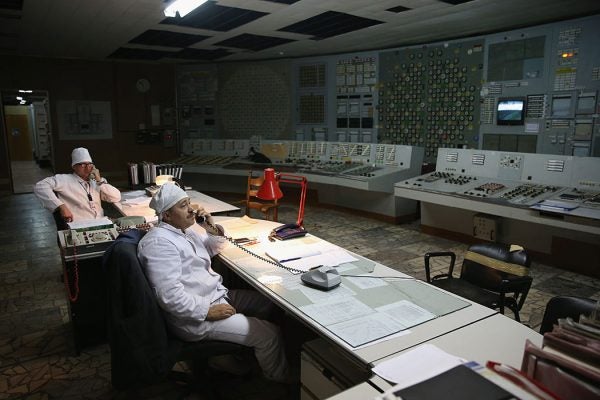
516,179
378,165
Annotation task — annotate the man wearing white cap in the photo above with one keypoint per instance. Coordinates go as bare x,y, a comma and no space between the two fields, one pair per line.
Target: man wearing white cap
77,196
177,262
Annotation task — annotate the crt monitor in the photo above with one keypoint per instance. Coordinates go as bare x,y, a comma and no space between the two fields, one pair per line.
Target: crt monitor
510,111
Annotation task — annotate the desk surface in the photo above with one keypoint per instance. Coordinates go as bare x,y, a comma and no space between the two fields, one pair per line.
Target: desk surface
496,338
137,204
450,312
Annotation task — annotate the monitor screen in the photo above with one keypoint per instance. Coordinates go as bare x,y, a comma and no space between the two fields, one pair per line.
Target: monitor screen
511,111
561,106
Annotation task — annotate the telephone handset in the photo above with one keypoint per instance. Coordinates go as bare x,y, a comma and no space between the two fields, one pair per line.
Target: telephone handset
288,231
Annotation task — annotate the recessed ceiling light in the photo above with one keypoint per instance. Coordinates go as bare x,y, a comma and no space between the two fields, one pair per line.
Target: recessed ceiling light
182,7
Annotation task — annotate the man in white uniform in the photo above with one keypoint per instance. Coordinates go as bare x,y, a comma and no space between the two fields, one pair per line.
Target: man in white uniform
77,196
177,262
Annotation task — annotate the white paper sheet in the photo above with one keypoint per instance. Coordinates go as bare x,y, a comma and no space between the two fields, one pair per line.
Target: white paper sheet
407,313
331,312
416,365
365,329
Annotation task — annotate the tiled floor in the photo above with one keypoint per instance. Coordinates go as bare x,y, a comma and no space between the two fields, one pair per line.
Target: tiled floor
25,174
36,357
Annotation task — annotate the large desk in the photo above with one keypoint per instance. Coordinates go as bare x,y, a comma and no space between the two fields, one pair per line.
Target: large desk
460,327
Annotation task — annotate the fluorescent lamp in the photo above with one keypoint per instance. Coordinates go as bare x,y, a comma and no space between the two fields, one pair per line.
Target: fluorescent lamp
183,7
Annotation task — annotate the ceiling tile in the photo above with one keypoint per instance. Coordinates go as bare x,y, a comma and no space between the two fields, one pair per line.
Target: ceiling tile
201,54
398,9
330,23
155,37
455,2
139,54
253,42
283,1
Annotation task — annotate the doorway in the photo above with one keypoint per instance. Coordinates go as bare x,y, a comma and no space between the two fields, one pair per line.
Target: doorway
28,137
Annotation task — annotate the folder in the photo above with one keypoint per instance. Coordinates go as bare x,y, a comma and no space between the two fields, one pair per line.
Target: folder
458,383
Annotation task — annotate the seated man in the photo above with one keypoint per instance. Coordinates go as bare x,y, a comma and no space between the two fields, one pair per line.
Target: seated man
177,263
79,195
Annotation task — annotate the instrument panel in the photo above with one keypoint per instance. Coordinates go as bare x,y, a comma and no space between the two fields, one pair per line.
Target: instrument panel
515,179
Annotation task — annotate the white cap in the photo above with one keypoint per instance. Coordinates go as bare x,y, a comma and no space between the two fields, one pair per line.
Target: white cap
167,196
80,155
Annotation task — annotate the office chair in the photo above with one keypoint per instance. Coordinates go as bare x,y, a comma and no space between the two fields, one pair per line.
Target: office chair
491,275
268,209
142,350
563,307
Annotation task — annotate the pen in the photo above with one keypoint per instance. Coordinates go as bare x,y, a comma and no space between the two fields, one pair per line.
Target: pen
290,259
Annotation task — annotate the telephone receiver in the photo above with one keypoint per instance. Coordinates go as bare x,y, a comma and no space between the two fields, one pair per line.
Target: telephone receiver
200,219
287,231
92,177
322,278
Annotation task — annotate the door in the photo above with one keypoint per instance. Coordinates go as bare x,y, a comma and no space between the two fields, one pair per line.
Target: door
18,137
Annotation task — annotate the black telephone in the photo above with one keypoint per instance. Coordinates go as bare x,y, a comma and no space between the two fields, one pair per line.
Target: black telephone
287,231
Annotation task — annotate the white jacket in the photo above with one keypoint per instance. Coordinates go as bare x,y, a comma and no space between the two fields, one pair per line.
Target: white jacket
71,190
178,266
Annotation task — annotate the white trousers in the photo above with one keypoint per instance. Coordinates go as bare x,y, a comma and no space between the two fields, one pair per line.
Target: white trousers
246,327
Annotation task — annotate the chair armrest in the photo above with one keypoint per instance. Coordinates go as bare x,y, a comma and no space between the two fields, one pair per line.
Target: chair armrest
517,284
429,255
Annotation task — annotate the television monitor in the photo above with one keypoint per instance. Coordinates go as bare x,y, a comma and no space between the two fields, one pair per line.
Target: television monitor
510,111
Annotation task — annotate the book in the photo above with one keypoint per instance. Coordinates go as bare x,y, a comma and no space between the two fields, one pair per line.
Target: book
458,383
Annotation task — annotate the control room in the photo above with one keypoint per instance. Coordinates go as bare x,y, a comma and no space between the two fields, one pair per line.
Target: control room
300,199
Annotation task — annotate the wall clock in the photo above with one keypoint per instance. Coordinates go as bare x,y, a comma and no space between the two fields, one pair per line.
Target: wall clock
142,85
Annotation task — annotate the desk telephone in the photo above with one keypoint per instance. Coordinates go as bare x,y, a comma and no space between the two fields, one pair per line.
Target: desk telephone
75,243
86,238
287,231
324,278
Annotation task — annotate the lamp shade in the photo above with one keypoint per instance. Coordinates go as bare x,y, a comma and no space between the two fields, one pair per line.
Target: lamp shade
269,190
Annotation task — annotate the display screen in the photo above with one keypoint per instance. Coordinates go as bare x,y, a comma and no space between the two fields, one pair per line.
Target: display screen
511,111
561,106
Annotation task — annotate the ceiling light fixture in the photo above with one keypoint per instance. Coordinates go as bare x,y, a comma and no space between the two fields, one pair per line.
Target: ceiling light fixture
182,7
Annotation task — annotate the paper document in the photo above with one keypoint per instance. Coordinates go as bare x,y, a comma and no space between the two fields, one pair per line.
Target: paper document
365,329
90,223
304,257
417,365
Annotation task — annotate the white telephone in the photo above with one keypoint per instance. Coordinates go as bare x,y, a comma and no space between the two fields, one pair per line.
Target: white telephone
84,238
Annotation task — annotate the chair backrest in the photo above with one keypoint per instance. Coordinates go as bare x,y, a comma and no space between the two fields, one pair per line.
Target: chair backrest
563,307
141,349
487,264
267,208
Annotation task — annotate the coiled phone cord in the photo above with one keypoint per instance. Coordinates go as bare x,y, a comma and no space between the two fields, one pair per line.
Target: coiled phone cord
201,219
72,297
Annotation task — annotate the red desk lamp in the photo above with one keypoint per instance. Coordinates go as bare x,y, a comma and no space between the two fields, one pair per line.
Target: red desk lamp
270,190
